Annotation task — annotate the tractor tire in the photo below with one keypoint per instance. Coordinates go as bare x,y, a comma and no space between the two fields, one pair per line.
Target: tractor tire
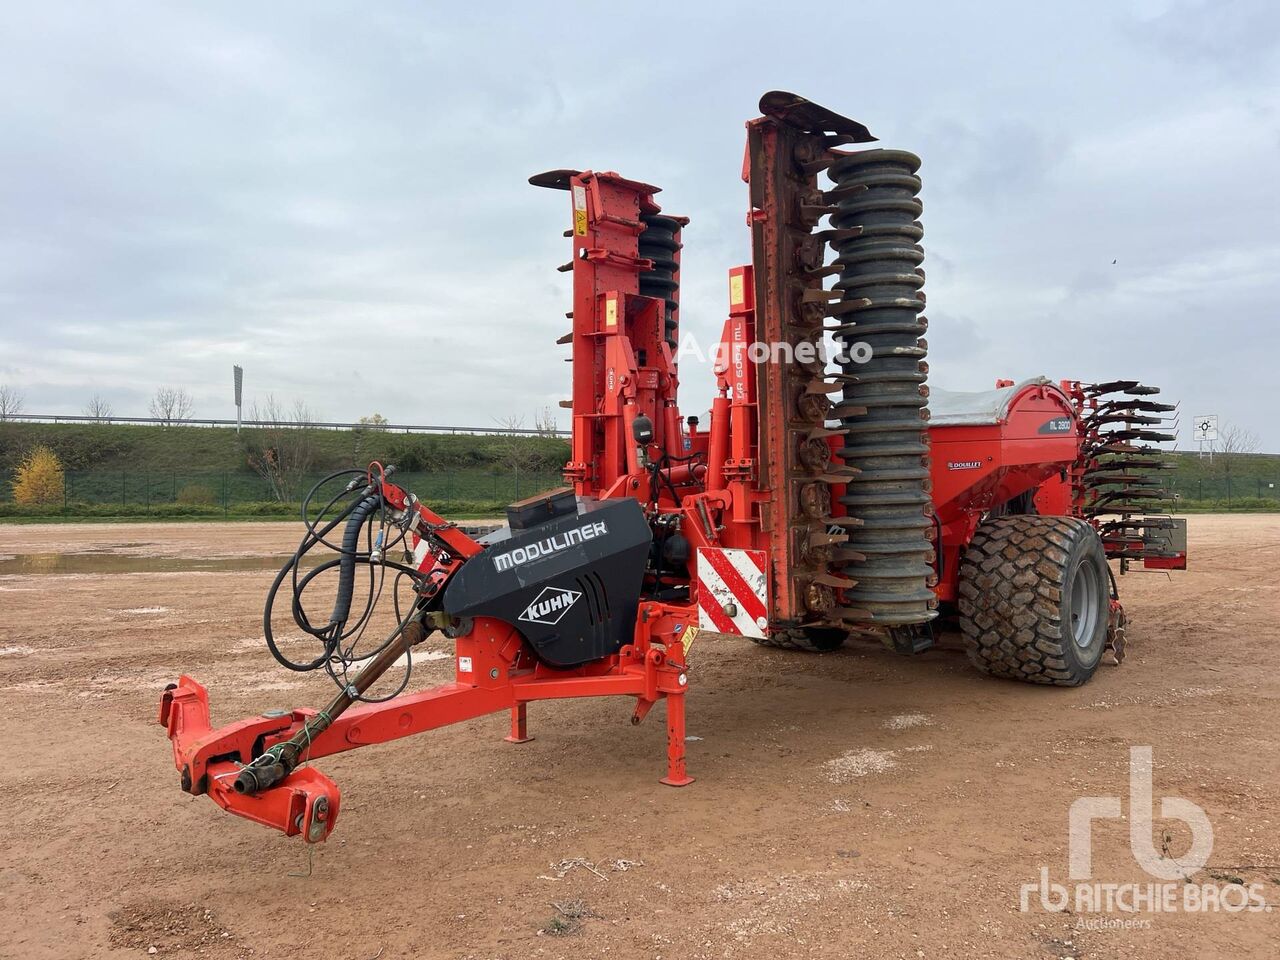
1034,599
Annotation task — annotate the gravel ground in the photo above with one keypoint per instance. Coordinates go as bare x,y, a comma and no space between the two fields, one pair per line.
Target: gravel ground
854,804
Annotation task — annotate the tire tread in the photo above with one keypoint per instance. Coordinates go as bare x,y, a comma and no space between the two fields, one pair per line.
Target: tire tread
1010,596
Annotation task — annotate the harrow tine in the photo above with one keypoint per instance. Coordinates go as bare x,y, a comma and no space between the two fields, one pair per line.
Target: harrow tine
1103,419
1137,480
1146,406
1119,484
1128,463
1111,386
1139,434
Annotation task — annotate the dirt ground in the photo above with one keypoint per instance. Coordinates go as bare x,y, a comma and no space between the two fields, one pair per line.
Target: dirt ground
854,804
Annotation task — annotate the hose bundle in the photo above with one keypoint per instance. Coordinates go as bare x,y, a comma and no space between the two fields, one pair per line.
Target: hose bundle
341,633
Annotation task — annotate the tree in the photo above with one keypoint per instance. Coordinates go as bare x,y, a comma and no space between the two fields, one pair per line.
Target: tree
99,409
171,405
544,422
39,479
1234,443
517,450
374,421
281,450
11,401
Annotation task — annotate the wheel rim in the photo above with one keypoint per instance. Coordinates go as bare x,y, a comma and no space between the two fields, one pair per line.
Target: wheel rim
1086,588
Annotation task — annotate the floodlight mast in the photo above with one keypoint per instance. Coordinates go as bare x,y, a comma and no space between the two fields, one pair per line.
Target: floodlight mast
238,373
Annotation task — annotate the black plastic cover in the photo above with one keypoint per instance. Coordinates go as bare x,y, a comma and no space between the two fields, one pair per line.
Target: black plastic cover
570,585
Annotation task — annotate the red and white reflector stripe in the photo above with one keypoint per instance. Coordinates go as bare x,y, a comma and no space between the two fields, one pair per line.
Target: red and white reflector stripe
733,591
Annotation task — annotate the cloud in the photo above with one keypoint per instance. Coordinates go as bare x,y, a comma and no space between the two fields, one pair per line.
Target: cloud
334,194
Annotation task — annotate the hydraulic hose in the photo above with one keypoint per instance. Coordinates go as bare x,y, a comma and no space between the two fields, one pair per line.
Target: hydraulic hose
347,562
356,514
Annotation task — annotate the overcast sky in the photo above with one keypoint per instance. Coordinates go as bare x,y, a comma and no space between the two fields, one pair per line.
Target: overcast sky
333,195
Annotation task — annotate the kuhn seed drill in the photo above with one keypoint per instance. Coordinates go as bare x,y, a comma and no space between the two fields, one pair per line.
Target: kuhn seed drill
819,501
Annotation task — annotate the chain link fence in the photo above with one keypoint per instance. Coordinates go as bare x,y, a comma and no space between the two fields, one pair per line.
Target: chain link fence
476,490
1225,489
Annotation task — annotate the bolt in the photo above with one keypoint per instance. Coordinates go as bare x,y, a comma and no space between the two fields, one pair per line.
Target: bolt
493,673
319,814
684,679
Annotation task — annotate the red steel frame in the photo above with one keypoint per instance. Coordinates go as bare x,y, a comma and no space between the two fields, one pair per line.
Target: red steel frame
501,673
727,497
974,468
613,328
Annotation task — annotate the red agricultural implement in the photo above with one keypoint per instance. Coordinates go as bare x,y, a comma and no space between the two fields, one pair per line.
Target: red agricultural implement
822,499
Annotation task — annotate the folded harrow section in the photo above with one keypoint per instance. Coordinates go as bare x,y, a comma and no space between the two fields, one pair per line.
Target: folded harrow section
1118,480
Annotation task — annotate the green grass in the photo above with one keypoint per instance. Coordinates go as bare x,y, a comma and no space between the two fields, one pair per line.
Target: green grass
147,488
132,471
134,447
1256,477
1236,505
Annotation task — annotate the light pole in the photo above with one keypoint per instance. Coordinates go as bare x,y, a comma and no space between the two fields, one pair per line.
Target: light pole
238,372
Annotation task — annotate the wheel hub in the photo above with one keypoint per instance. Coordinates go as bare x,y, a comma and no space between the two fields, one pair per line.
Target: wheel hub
1086,588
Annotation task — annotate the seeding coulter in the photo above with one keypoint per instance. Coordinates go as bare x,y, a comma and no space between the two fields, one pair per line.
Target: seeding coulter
820,500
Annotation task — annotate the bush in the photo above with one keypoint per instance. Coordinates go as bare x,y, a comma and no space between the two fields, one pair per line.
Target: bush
412,454
267,508
197,494
38,481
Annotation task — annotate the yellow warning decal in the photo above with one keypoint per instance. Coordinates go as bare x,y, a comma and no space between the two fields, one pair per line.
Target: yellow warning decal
690,635
611,312
580,211
736,293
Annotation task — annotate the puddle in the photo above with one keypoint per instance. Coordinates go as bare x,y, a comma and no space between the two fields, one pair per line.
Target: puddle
108,561
29,564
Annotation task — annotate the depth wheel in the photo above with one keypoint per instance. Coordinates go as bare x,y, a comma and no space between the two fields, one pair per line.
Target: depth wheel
811,639
1034,600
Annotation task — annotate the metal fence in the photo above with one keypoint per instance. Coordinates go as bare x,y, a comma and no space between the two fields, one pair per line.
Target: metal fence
1225,488
317,424
157,489
227,489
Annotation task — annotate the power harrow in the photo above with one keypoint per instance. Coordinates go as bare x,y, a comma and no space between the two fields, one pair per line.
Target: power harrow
825,497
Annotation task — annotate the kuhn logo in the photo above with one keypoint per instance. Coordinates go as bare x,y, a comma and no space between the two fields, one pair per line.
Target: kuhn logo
963,464
550,606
